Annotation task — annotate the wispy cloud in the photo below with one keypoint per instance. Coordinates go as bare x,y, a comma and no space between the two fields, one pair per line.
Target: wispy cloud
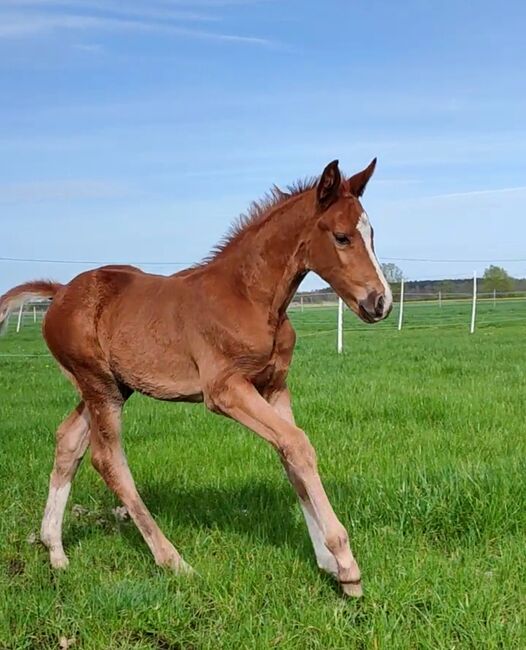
388,182
146,10
475,193
92,48
61,190
165,5
29,18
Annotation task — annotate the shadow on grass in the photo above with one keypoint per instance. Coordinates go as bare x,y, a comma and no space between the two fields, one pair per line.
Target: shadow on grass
258,510
265,514
446,509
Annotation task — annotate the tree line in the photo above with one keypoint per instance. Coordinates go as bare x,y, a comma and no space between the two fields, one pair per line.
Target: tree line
495,279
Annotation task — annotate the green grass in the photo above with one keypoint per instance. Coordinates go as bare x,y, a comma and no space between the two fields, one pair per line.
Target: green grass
421,443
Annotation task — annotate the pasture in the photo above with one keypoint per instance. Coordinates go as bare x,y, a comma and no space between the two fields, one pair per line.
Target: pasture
421,443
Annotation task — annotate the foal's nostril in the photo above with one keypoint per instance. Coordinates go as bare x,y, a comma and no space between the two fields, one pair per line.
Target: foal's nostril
379,307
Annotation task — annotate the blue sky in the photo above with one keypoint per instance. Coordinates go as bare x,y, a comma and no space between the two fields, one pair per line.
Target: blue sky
137,131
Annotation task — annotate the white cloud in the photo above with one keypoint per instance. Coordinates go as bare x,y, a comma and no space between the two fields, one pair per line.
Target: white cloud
93,48
61,190
475,193
142,10
25,18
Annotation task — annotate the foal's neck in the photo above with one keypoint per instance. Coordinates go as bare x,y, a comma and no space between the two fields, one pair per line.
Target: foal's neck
269,259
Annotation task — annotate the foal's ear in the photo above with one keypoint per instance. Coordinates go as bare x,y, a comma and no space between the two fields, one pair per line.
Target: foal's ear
356,184
328,188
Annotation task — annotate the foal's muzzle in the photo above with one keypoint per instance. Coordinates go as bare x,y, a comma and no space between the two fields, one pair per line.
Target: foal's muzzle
375,307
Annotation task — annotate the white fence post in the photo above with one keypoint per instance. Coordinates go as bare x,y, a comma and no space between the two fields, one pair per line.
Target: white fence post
474,308
34,313
340,325
440,298
301,303
494,298
19,322
401,313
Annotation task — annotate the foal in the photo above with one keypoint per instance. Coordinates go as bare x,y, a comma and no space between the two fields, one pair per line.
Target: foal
116,330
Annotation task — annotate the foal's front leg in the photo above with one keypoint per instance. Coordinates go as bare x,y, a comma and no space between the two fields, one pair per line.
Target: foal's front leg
325,559
240,400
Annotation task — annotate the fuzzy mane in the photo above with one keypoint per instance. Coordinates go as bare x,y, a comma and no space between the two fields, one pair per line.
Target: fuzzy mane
259,210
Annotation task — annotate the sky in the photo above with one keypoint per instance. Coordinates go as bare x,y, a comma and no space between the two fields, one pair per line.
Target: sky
136,132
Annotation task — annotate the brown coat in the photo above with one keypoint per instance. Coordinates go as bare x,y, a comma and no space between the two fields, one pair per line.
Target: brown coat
217,332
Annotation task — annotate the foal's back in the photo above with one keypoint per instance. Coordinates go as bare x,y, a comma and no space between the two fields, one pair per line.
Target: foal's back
119,324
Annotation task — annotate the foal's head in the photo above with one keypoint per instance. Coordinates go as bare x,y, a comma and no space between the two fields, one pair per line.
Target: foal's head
341,248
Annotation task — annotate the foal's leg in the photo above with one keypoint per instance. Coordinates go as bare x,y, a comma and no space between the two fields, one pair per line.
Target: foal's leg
109,460
72,442
241,401
325,559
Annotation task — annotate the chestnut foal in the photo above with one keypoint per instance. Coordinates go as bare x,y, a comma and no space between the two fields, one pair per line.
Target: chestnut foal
218,333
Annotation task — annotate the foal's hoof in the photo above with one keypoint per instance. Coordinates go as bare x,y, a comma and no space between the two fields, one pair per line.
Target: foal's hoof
351,581
353,588
178,565
58,560
185,569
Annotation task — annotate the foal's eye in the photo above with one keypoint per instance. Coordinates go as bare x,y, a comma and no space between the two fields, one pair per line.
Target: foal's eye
341,238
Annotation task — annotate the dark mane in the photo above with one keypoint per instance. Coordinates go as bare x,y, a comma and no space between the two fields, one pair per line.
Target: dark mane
258,211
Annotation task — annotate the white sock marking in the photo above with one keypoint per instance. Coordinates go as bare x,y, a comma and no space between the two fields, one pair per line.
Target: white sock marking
51,531
324,557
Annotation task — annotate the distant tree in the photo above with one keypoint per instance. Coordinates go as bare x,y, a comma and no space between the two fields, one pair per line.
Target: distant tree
393,273
447,286
496,278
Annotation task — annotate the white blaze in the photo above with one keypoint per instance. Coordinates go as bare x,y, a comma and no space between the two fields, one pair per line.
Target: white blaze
364,228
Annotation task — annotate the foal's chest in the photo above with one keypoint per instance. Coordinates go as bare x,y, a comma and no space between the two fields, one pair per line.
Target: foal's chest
272,371
266,376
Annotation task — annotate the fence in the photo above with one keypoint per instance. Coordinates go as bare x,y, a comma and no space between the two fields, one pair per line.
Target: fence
29,312
324,312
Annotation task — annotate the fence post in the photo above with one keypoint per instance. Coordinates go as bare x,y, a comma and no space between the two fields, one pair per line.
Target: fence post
440,298
34,313
401,313
19,322
301,303
494,298
474,308
340,325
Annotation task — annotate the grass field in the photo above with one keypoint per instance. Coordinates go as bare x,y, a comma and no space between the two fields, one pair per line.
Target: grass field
421,442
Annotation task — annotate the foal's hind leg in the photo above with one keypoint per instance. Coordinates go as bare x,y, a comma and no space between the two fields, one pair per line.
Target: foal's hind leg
72,442
109,460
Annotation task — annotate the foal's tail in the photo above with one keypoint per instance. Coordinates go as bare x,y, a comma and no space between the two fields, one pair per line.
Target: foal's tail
17,296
